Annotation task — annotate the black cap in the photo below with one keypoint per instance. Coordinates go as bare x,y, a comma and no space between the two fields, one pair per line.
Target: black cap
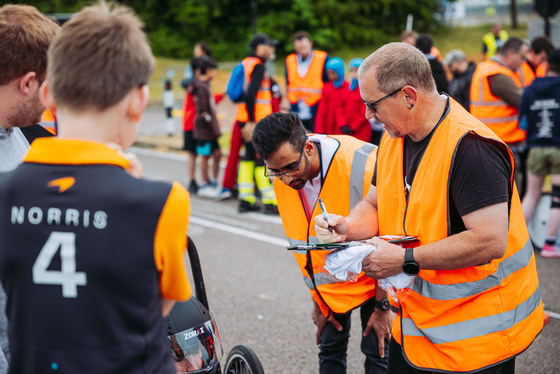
261,39
554,60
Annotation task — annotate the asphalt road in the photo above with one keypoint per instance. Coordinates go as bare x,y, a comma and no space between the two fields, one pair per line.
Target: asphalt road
257,294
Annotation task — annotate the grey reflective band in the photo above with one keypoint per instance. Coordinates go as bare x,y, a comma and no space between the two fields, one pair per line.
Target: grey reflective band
302,89
510,265
312,239
475,327
320,280
489,103
262,101
498,120
357,171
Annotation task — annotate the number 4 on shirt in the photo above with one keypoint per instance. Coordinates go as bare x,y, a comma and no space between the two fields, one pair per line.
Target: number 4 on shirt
67,277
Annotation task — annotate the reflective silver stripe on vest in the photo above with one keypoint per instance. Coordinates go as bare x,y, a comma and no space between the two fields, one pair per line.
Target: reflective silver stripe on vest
475,327
302,89
489,103
357,173
507,267
262,101
320,279
498,120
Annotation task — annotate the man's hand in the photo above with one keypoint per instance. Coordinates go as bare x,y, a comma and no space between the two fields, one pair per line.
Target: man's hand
380,322
320,321
247,131
338,225
385,261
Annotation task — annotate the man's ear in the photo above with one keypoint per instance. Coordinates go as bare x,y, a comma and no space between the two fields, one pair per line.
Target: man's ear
47,98
28,84
138,102
309,148
410,95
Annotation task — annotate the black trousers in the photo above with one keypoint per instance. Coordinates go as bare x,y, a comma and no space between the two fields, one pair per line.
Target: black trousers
334,343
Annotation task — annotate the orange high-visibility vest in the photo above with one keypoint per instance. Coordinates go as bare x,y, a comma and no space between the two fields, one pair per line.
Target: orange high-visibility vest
263,100
490,109
526,75
347,181
466,319
309,87
48,122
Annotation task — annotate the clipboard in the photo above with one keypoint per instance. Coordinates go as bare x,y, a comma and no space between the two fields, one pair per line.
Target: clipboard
318,246
399,240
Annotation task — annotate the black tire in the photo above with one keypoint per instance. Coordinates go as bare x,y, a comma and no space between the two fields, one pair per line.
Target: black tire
243,360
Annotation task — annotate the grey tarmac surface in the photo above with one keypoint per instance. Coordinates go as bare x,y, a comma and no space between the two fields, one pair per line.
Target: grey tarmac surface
255,288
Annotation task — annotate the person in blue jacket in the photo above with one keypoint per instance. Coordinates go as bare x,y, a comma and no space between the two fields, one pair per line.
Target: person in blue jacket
539,115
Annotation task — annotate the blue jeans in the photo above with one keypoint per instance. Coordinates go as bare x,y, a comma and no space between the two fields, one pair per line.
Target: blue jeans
333,345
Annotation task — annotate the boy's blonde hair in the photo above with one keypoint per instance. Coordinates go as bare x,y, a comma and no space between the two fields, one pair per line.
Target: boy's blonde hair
25,36
98,57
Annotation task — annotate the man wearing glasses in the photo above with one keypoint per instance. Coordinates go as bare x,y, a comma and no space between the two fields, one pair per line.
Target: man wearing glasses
445,177
337,169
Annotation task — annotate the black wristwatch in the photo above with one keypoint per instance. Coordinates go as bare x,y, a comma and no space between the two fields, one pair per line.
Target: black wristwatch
383,304
410,267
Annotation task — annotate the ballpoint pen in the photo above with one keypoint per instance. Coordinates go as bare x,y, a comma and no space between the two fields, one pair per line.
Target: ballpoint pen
322,206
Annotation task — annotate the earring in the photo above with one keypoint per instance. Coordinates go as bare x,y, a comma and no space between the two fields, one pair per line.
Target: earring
410,106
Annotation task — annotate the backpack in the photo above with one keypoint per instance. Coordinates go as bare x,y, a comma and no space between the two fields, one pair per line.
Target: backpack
236,83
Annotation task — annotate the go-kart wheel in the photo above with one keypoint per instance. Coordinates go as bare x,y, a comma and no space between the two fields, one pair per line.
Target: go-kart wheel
243,360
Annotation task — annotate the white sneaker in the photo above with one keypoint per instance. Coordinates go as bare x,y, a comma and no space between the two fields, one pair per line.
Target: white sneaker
207,191
224,194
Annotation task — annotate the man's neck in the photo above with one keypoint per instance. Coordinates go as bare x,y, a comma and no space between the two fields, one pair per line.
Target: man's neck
428,120
303,58
315,162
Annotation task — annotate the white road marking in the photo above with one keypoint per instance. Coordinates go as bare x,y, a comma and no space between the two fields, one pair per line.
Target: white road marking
159,154
239,231
553,315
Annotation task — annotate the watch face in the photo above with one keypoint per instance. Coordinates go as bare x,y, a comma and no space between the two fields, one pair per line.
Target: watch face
383,304
411,268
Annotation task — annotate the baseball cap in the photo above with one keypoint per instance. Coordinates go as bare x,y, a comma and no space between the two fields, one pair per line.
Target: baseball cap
554,60
261,39
453,56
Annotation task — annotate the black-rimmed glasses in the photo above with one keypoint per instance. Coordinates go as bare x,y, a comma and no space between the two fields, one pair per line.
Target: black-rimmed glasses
371,106
277,174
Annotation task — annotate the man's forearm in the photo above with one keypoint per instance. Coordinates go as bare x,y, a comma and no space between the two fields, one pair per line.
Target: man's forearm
362,221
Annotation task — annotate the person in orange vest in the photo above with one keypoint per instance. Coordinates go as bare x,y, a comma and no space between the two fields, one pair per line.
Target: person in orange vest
535,65
257,104
305,77
337,169
495,96
330,111
444,177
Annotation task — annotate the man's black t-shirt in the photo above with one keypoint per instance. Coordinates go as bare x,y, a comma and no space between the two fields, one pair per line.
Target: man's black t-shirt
480,176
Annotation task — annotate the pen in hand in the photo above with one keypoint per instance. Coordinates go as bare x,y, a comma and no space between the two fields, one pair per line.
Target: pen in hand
322,206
